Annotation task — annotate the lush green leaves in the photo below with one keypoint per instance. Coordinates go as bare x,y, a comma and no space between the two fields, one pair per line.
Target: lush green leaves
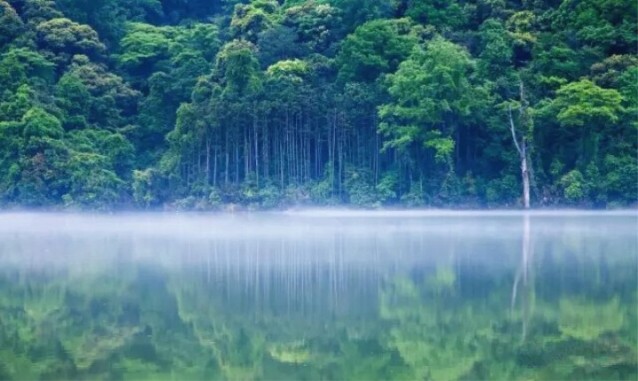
375,48
431,94
264,103
583,102
11,24
67,37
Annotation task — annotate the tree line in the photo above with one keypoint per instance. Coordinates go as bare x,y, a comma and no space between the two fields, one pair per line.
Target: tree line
195,104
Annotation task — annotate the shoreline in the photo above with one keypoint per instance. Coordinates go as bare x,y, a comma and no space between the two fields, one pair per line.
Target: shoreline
345,211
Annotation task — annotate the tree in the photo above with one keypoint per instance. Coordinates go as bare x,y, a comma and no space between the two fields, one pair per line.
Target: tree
604,24
67,38
38,11
112,99
11,24
249,20
431,95
585,109
525,129
440,13
358,12
144,46
109,17
42,162
20,66
375,48
583,103
238,69
317,25
74,98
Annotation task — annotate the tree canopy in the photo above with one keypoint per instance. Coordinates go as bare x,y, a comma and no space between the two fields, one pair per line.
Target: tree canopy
262,103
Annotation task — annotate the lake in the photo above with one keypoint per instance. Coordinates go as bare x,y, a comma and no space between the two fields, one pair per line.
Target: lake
319,295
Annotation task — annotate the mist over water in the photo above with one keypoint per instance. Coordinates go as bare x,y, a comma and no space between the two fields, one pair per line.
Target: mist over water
322,294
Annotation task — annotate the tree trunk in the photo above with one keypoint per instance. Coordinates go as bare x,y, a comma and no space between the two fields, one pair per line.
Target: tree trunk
237,161
522,153
215,168
256,142
525,175
227,154
207,161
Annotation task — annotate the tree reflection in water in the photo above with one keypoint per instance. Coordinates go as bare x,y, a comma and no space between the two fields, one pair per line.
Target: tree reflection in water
520,297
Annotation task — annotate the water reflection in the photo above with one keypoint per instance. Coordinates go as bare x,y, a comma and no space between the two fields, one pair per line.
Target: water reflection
275,297
525,271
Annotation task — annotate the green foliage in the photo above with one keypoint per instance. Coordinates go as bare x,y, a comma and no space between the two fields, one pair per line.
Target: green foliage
111,100
39,123
38,11
67,38
237,65
619,180
109,17
360,189
91,184
606,24
143,192
249,20
387,187
11,24
317,25
583,102
144,44
497,50
443,147
440,13
501,190
73,97
376,47
430,88
288,68
273,103
19,103
20,66
574,186
431,95
358,12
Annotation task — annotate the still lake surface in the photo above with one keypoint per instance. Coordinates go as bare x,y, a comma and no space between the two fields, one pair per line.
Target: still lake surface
324,295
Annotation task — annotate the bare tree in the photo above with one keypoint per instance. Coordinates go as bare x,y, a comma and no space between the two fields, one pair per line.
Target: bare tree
522,143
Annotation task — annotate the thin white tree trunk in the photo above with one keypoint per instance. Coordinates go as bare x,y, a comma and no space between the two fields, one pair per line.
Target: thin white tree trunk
522,152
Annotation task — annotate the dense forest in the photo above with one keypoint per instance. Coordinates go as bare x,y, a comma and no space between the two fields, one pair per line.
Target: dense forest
197,104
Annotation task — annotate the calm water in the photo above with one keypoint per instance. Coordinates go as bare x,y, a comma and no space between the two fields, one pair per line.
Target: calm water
319,296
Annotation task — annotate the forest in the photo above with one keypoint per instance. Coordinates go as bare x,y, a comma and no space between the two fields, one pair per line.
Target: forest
201,104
